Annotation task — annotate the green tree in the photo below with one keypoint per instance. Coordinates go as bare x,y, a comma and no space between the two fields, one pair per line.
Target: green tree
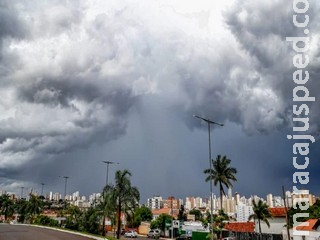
34,207
141,214
107,205
313,211
222,174
126,195
261,212
6,206
182,216
21,207
219,221
73,219
161,221
197,214
90,221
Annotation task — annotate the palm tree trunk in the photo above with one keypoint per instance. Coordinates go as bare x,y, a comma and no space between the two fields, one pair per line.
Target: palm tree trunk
104,224
221,195
119,219
259,226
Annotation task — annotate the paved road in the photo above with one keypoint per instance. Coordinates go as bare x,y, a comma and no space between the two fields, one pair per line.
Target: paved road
18,232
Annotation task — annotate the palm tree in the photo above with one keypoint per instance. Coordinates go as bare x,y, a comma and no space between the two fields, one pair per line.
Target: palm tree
6,206
126,195
34,207
107,205
261,212
21,208
222,174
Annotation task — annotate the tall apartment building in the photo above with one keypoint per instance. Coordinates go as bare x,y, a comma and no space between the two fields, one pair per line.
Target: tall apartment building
243,212
190,203
270,200
172,203
155,202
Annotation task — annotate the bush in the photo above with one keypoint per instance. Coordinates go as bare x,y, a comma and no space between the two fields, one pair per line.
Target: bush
46,221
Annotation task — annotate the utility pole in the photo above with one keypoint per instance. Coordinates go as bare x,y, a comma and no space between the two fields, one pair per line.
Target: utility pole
287,216
65,186
42,184
209,122
21,192
108,163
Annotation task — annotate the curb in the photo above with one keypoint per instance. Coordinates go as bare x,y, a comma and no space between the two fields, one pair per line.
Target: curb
66,231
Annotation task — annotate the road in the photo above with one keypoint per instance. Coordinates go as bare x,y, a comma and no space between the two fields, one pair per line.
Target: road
19,232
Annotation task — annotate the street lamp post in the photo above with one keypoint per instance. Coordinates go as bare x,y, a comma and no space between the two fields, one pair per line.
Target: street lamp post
65,186
42,184
108,163
209,122
22,192
65,190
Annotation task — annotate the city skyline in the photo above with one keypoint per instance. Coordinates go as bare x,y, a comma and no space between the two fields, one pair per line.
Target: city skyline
92,81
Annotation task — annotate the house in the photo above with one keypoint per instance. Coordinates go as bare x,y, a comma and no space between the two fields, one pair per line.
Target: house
308,230
240,227
157,212
277,222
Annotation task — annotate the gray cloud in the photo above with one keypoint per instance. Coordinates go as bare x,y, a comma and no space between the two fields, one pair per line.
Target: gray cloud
73,74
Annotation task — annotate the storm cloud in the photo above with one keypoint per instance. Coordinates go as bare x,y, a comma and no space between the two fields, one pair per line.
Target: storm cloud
74,74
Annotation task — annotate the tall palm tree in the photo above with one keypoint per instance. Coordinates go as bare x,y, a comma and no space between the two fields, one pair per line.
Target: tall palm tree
261,212
126,195
6,206
222,174
107,205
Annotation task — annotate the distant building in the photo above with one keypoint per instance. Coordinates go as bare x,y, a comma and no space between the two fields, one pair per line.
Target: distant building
155,202
243,212
270,200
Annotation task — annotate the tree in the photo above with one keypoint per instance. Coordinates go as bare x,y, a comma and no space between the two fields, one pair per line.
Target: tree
21,207
141,214
90,221
34,207
222,174
182,216
73,217
219,222
127,196
197,214
107,205
6,206
261,212
313,212
144,213
161,221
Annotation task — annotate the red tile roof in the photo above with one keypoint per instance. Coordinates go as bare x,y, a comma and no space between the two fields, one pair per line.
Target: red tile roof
312,225
278,212
161,211
240,226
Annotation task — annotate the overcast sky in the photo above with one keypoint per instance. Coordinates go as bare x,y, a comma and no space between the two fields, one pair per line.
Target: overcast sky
91,80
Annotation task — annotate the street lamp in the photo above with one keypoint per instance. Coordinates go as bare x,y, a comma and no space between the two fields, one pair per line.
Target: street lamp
42,184
108,163
21,191
65,185
209,122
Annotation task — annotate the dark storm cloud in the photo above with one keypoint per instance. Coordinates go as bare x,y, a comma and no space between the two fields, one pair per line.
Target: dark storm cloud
76,75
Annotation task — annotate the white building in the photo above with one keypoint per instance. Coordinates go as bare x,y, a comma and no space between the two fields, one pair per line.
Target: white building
243,212
155,202
270,200
278,201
